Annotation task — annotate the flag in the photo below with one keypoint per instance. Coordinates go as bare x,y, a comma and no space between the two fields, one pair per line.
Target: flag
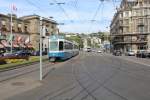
13,7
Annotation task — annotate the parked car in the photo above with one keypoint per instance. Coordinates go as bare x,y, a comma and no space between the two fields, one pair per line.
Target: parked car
141,54
8,54
99,51
117,53
89,49
130,53
37,53
22,53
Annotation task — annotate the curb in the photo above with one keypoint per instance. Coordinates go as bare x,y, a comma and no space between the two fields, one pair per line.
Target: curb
20,66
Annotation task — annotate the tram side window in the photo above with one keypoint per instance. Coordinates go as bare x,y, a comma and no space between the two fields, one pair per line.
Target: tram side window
61,45
68,46
75,47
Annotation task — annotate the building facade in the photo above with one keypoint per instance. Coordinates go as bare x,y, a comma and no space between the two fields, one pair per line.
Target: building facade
49,28
20,30
130,27
26,31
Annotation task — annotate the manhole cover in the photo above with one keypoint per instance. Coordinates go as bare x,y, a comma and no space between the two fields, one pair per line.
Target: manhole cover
18,83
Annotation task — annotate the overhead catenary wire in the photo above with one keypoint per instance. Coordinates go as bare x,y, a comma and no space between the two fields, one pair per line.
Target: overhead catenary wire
33,4
76,9
95,14
92,20
64,11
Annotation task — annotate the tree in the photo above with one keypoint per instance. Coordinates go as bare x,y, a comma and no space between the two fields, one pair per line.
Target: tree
77,39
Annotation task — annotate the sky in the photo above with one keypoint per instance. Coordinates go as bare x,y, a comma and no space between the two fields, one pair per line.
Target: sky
77,16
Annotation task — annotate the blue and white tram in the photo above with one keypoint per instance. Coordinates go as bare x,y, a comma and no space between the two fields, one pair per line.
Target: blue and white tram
60,48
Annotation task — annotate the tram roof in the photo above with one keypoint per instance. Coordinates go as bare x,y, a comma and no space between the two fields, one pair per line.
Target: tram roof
54,37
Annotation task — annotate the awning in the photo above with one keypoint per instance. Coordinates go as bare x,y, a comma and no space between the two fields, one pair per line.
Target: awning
15,45
5,43
22,45
29,45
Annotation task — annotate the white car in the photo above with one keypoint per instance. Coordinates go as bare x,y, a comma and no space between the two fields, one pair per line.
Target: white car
130,53
99,51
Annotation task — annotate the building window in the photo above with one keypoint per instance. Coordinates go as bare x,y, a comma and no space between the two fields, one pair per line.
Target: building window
3,22
126,22
141,12
4,28
141,29
126,29
145,11
19,29
121,15
126,14
26,28
13,29
141,21
52,27
137,12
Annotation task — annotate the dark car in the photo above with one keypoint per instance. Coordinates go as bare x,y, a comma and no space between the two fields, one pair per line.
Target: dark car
37,53
141,54
117,53
148,54
22,53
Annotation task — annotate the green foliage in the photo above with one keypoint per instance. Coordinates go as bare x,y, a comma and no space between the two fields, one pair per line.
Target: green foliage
20,62
102,35
77,39
89,42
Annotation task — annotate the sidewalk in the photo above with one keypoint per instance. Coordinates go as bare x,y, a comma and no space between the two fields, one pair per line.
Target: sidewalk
15,86
142,61
26,82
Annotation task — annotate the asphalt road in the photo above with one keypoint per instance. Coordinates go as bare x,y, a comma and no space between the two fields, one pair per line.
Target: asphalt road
89,76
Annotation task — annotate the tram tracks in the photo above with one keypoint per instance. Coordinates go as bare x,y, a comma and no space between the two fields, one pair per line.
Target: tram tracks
93,83
92,77
27,70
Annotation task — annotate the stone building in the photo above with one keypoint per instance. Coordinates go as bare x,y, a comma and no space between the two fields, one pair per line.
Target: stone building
49,27
20,32
26,31
130,27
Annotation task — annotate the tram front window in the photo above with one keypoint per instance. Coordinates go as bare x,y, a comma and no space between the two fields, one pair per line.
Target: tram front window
61,45
53,45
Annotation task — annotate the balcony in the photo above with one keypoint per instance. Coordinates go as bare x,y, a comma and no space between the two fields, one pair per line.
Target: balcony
131,42
140,24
